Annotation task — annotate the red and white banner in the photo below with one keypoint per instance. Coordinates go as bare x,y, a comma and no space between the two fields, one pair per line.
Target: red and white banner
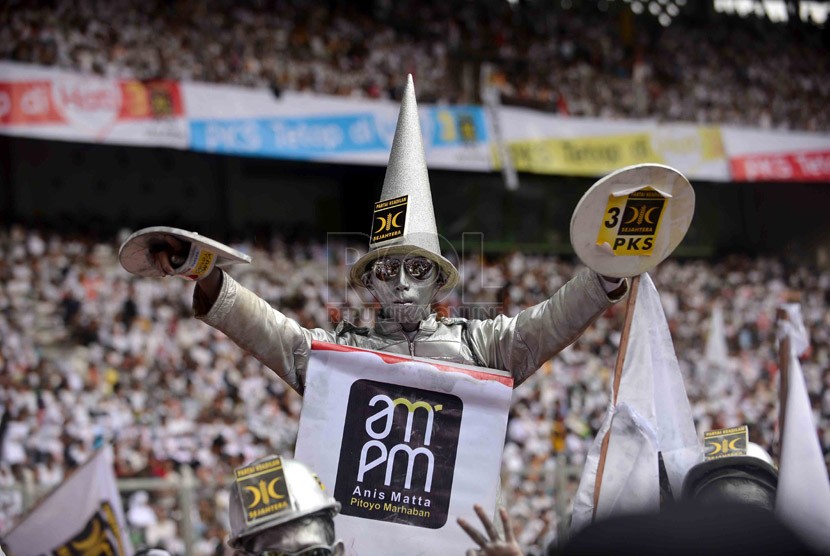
82,516
756,155
49,103
54,104
405,445
799,167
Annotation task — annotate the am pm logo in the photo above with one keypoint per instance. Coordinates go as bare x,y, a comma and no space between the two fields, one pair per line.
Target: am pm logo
726,442
100,536
262,490
397,458
631,222
389,220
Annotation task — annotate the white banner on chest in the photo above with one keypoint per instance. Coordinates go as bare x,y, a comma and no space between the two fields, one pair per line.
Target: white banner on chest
405,445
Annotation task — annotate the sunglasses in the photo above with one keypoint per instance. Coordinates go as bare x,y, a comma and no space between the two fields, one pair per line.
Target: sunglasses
318,550
417,267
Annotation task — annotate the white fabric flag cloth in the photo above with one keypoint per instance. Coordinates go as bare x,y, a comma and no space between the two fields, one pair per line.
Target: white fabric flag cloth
81,516
803,497
406,445
794,328
716,351
651,415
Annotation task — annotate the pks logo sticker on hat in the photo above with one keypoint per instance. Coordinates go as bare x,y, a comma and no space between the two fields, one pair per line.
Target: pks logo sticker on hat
263,490
389,221
726,442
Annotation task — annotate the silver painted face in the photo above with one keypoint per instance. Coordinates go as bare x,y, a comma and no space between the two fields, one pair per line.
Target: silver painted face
406,295
296,537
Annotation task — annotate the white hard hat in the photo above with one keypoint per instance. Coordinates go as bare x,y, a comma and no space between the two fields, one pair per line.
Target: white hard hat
754,450
272,491
755,468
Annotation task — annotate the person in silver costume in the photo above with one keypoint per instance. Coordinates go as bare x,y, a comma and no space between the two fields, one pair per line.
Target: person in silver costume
405,279
298,518
406,276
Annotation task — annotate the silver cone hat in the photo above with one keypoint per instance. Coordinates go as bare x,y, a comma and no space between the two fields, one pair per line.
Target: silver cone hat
406,175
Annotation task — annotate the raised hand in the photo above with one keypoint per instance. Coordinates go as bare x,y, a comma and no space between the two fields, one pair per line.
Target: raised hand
169,254
495,546
175,257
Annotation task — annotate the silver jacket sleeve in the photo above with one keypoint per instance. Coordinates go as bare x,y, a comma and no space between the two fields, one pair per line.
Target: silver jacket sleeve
523,343
279,342
520,344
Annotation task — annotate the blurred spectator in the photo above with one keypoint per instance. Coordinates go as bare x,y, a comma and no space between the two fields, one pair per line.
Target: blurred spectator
164,532
140,516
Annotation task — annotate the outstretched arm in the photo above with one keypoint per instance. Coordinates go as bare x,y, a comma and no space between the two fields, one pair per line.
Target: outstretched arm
279,342
207,290
523,343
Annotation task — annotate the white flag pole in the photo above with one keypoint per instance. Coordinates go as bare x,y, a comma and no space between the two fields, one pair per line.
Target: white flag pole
784,371
618,368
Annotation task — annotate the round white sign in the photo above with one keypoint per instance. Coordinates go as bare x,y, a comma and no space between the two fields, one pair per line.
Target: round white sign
136,253
632,219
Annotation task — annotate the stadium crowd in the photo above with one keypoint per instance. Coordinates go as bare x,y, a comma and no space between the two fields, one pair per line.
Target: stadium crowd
91,354
577,62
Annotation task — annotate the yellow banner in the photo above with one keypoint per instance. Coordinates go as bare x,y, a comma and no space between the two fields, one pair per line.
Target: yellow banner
591,156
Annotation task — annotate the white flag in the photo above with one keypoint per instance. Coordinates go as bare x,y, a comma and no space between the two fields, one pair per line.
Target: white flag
803,496
405,445
716,351
793,328
81,516
651,415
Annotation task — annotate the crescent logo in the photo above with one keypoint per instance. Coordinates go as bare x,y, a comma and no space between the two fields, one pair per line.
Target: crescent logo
390,215
257,497
264,493
725,446
95,540
647,215
635,214
382,224
272,489
100,535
